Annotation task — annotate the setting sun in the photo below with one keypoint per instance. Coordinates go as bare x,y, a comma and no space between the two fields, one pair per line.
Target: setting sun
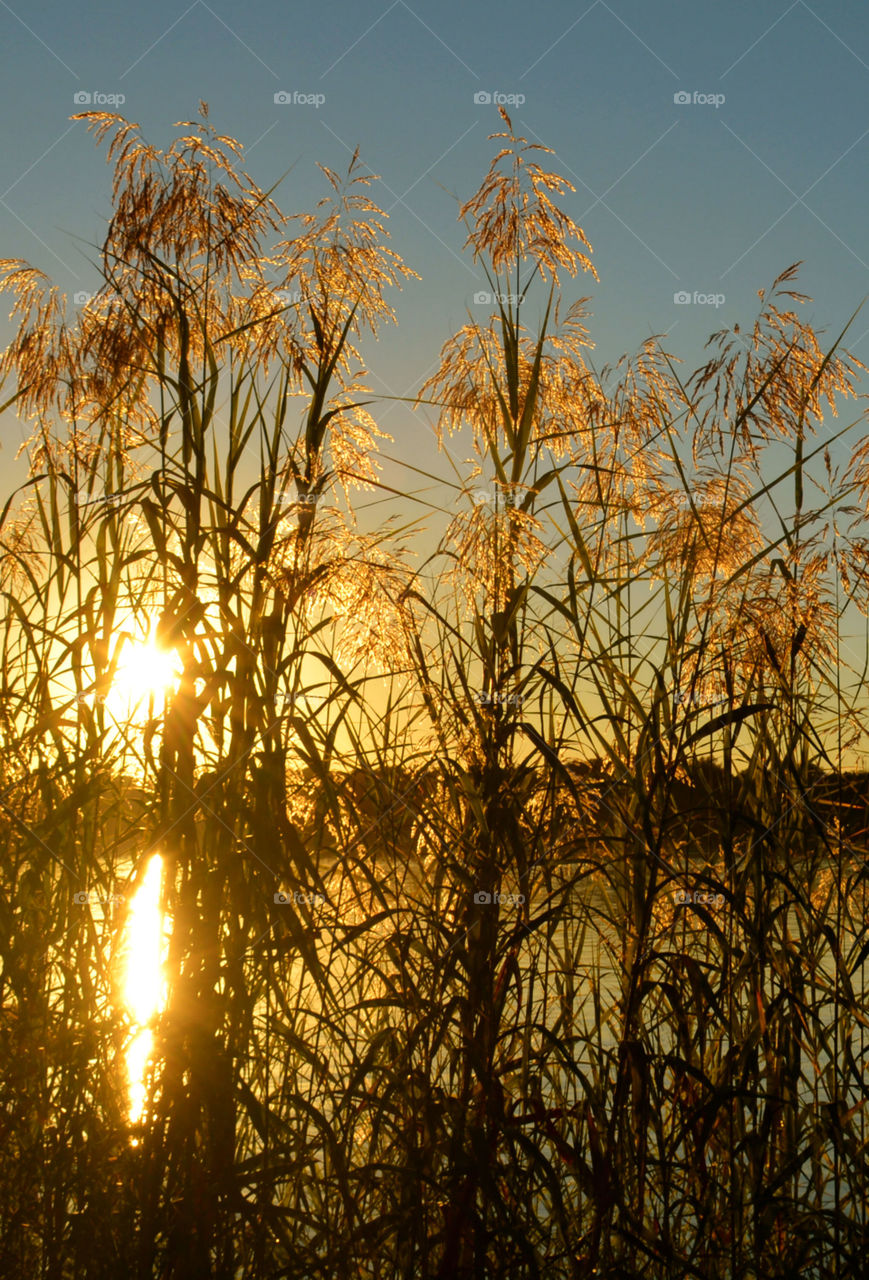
145,670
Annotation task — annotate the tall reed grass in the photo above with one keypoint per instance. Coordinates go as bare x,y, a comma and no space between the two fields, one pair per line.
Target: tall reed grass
516,903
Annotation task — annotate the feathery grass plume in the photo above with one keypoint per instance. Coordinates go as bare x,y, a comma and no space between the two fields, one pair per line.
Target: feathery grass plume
491,541
621,454
339,260
39,355
772,382
714,535
514,218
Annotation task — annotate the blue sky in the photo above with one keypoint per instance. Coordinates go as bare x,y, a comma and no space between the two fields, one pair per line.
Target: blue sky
706,197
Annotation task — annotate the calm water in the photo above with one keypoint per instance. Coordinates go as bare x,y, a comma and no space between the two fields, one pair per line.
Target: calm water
586,959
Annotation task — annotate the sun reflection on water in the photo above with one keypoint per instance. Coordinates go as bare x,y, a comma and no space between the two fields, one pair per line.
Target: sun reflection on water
144,981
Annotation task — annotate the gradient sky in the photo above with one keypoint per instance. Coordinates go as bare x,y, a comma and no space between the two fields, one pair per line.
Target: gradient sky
715,199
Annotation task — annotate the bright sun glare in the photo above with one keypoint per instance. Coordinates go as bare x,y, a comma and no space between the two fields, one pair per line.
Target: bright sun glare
144,669
144,987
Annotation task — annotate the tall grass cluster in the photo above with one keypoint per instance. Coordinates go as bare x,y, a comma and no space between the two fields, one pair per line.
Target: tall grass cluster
514,880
